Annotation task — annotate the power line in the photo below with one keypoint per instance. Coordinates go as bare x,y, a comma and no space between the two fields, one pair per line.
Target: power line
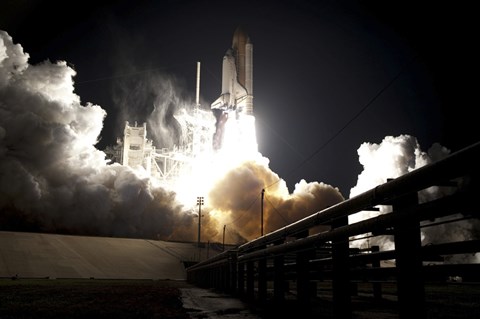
264,124
245,211
363,109
278,212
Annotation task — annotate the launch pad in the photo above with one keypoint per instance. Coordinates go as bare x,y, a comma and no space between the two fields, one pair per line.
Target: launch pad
228,127
165,165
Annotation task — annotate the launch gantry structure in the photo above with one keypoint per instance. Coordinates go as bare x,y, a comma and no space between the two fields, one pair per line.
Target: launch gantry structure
166,165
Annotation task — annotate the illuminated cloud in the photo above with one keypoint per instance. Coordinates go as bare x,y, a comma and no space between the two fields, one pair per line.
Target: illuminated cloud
394,157
54,179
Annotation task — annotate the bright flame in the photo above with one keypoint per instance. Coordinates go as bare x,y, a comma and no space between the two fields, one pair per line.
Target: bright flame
240,140
207,166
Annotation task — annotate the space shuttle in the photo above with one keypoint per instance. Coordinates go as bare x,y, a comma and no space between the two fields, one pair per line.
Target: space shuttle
237,77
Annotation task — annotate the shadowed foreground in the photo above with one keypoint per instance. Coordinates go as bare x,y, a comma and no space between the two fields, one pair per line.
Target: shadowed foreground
443,301
93,298
69,298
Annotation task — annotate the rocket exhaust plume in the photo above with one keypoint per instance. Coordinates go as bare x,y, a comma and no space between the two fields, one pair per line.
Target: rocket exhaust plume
220,118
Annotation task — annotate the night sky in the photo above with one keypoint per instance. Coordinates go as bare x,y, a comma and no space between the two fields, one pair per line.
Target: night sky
327,76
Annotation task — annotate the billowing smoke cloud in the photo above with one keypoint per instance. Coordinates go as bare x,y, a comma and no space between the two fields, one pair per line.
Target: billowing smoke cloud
396,156
52,177
243,211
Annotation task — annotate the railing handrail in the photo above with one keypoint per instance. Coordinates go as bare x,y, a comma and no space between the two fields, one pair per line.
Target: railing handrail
452,166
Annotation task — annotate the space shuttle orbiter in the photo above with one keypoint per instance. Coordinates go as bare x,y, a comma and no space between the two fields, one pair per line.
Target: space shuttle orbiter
237,76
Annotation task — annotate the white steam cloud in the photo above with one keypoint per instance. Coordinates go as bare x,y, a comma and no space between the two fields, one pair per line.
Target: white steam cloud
394,157
54,179
154,99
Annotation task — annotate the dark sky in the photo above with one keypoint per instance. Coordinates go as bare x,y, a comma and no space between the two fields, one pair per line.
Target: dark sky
328,75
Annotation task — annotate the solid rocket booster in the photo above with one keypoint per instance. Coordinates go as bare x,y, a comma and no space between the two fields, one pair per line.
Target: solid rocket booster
237,76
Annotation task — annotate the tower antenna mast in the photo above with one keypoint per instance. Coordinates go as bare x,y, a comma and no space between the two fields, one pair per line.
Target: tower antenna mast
198,85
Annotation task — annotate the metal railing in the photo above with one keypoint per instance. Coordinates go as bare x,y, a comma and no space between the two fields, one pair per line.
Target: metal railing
261,269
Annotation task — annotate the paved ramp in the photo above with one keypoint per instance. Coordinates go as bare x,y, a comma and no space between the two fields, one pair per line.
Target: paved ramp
37,255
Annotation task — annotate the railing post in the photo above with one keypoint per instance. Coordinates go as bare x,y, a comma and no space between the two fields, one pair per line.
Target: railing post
241,279
215,276
303,273
225,280
232,267
250,280
377,286
279,276
262,279
410,285
341,273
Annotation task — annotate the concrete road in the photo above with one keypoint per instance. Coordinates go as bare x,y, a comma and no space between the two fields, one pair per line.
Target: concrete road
35,255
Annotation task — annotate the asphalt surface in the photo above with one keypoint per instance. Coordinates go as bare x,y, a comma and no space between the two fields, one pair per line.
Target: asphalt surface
207,304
